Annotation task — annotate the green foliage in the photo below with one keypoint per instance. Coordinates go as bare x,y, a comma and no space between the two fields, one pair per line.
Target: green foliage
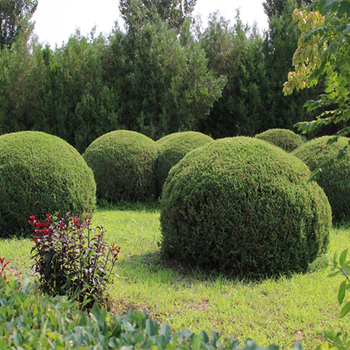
29,319
40,174
163,80
22,76
76,105
234,51
286,139
60,92
243,206
172,148
70,260
283,111
123,163
14,15
323,52
273,7
334,181
339,340
173,12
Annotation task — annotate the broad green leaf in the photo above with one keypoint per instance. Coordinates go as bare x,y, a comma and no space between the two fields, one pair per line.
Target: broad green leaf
335,259
333,274
342,258
344,311
341,293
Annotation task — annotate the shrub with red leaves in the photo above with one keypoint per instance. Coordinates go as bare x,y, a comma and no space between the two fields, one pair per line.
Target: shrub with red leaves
70,260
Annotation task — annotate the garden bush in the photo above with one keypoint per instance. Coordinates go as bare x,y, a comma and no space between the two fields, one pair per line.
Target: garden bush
40,174
334,181
243,206
172,148
123,163
284,138
72,259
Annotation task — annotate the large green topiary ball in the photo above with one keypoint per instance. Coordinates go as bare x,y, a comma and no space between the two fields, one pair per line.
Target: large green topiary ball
334,181
244,206
123,163
172,148
283,138
41,174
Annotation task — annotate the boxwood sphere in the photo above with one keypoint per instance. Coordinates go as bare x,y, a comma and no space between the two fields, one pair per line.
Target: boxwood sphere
334,181
41,174
284,138
244,206
123,163
172,148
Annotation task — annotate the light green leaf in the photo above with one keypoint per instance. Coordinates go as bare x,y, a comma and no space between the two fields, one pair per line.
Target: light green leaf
333,274
345,310
341,293
342,258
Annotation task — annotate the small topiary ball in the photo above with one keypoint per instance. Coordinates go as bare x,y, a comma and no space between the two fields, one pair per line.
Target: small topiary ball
172,148
283,138
123,163
41,174
334,181
243,206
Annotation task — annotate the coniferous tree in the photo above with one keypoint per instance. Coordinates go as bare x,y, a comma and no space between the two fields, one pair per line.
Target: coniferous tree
271,7
173,12
235,51
12,15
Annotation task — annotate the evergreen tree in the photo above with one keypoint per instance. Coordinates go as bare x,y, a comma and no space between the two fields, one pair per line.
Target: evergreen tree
280,43
13,15
173,12
162,79
235,52
272,7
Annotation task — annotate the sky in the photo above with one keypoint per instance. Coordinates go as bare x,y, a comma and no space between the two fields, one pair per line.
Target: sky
56,20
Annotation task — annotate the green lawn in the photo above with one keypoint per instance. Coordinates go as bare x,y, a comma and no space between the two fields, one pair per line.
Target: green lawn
281,311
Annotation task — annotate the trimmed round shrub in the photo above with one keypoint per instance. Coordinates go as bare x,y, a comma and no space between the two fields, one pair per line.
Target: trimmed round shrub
123,163
335,181
283,138
243,206
41,174
172,148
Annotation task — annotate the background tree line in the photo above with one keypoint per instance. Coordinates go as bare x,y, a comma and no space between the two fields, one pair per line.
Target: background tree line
159,75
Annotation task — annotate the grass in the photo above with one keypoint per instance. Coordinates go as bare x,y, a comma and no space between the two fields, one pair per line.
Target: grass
278,311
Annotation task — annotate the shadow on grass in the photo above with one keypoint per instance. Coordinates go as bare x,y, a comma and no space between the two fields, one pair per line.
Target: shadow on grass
151,266
149,206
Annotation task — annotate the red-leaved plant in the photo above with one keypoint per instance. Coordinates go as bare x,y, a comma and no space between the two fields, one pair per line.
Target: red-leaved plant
2,269
69,260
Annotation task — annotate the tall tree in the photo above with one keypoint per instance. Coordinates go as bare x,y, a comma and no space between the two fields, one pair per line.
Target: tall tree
235,52
280,43
273,6
12,13
162,79
173,12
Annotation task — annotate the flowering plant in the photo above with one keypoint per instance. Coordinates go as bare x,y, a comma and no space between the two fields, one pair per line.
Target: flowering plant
70,261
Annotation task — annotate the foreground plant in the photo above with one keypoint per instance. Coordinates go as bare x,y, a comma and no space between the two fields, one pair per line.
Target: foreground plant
71,258
339,340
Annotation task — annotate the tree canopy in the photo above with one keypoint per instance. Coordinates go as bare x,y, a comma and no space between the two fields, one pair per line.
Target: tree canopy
271,7
173,12
12,13
324,51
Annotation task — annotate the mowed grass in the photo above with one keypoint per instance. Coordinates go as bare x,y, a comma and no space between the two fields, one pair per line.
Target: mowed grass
279,311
